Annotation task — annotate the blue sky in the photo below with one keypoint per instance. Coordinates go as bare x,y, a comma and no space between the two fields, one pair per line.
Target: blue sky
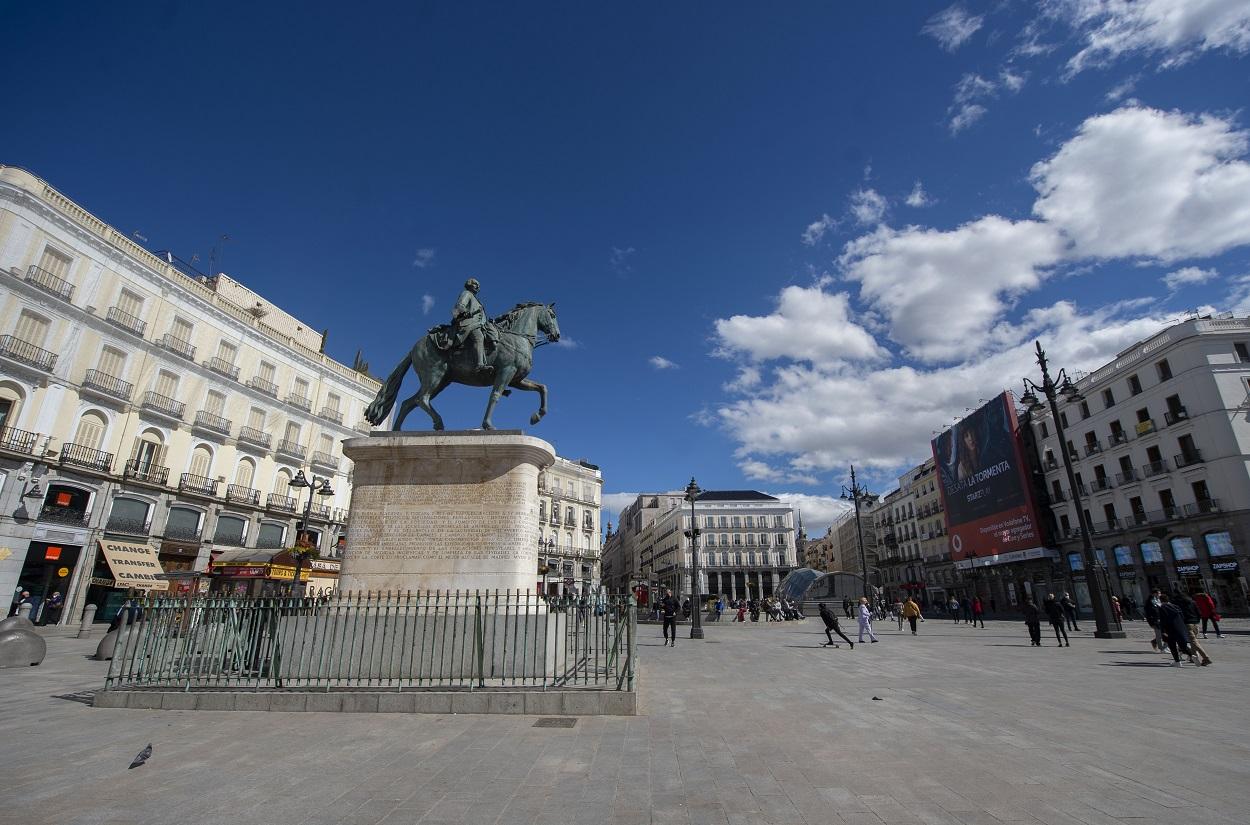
781,238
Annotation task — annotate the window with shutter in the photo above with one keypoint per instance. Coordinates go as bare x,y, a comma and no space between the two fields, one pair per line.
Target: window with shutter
31,328
147,453
227,351
181,329
256,419
282,483
267,371
333,402
112,362
244,473
130,303
90,433
292,432
215,403
166,384
327,444
55,263
301,387
201,461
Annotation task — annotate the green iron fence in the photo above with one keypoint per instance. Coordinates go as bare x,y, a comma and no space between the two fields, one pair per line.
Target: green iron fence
466,639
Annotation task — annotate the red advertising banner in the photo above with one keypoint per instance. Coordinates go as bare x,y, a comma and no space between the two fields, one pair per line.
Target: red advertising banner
985,485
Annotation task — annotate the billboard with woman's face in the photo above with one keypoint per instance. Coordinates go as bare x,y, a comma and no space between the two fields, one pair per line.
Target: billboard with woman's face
985,484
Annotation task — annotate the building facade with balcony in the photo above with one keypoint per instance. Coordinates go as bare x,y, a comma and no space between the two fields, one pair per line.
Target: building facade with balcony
570,495
144,402
1159,440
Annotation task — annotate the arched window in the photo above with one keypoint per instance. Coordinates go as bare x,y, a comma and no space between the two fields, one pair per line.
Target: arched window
11,398
201,461
147,456
282,482
244,473
183,523
231,530
90,432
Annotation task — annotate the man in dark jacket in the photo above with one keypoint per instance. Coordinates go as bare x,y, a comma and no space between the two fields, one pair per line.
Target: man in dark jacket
1192,617
1054,613
668,610
1172,623
1069,610
831,626
1033,621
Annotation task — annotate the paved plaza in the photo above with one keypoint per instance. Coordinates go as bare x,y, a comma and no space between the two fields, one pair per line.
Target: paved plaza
757,724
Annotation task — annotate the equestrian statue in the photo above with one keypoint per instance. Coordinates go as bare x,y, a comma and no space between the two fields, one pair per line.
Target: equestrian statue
474,351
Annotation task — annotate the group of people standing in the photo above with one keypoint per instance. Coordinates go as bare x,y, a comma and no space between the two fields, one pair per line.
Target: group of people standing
1176,618
1061,613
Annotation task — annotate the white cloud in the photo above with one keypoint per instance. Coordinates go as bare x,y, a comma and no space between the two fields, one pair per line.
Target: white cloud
1174,30
942,290
762,471
808,324
616,502
1122,89
424,257
1188,275
972,90
1238,300
952,27
818,512
817,229
918,198
662,363
867,207
427,304
965,115
619,259
1139,182
566,342
748,378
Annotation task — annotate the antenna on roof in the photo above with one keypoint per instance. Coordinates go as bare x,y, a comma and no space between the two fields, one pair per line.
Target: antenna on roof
214,257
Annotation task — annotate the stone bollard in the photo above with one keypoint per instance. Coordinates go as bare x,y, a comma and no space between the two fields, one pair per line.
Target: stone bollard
24,611
88,617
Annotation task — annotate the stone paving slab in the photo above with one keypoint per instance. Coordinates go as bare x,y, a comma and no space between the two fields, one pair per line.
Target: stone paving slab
756,724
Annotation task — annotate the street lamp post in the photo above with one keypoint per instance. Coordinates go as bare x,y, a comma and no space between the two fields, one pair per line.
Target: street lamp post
855,493
318,487
1105,624
696,609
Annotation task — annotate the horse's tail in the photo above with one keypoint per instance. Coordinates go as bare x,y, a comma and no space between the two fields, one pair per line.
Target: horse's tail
384,401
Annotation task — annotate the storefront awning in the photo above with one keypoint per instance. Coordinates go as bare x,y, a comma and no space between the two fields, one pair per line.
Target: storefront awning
133,565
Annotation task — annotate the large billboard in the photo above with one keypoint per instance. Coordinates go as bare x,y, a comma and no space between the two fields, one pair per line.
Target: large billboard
985,484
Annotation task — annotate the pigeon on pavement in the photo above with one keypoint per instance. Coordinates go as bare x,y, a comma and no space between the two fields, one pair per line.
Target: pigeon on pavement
142,757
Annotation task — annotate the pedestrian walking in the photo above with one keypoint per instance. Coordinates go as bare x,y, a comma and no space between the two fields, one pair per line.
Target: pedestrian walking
1175,634
1033,621
846,607
742,611
953,607
1208,613
1117,611
668,610
52,608
965,609
865,621
978,612
897,609
720,607
1152,618
1069,610
831,627
911,612
1190,611
1054,613
993,606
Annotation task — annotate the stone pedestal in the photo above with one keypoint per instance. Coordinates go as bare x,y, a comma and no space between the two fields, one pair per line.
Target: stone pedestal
444,511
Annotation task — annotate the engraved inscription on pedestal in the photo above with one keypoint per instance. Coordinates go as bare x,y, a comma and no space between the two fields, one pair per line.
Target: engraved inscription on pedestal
444,512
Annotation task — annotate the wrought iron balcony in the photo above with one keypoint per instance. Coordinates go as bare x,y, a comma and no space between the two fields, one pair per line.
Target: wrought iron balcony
64,515
206,420
320,459
178,346
1208,505
1188,458
1100,484
363,427
255,436
1173,416
292,449
182,532
19,441
1092,448
242,495
49,283
1154,468
223,367
1056,496
320,511
27,353
285,504
1050,463
146,471
119,318
297,400
1118,437
126,525
1106,526
331,414
1127,477
200,485
163,404
109,385
267,387
80,456
1137,518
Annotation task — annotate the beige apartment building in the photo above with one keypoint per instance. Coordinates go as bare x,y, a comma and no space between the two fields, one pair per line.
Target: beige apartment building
915,558
143,403
569,498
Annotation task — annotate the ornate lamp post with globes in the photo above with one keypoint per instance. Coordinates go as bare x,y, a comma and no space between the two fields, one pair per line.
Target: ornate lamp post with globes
303,545
1105,624
856,493
696,609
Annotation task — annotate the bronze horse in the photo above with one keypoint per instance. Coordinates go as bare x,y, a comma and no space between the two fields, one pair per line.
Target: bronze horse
437,367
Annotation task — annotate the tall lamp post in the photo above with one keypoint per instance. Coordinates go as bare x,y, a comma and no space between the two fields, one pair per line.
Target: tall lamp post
1105,624
696,609
318,487
855,493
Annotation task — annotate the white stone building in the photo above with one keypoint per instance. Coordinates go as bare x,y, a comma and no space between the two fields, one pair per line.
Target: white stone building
570,494
141,402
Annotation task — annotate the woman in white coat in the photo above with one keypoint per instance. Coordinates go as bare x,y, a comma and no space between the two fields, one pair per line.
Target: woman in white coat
865,620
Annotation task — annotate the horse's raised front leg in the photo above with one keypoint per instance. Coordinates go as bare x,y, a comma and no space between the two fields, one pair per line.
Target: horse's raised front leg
502,377
541,389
